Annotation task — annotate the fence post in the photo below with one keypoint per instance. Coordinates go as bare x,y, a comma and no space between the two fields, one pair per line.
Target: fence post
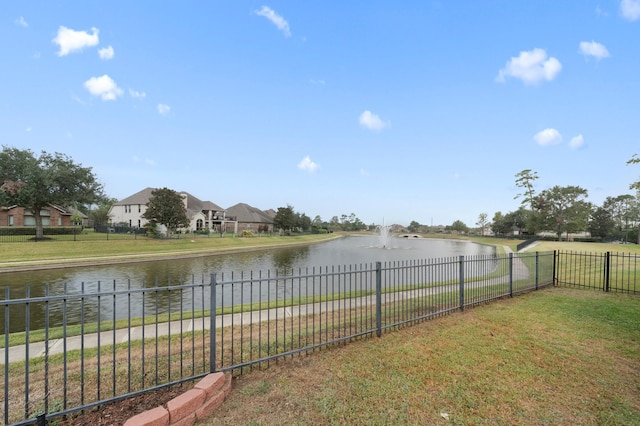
556,255
537,265
607,271
378,299
212,324
511,274
6,356
461,276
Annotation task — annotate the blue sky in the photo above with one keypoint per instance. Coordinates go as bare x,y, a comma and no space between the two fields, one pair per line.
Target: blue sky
394,111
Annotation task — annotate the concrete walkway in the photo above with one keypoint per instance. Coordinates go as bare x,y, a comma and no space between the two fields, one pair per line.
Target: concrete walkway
106,338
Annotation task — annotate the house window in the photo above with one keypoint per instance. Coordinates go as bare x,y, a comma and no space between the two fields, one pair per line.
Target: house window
199,224
138,223
10,220
139,208
30,220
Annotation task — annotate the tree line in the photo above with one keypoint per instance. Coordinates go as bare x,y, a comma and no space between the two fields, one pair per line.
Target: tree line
562,210
288,220
36,181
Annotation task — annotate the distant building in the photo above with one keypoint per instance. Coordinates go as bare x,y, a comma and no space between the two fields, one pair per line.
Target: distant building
251,218
203,215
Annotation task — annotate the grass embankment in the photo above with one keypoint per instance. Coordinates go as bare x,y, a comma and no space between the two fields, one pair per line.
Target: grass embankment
87,251
557,356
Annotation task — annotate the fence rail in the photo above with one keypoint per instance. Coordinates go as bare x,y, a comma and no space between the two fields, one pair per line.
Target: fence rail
73,349
614,272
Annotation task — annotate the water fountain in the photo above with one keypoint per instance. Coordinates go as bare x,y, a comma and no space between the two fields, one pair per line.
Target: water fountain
384,231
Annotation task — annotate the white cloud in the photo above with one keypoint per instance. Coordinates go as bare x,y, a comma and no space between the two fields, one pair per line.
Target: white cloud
71,41
531,67
372,121
106,53
576,142
364,173
136,94
22,22
164,109
548,137
308,165
104,87
592,48
630,9
275,19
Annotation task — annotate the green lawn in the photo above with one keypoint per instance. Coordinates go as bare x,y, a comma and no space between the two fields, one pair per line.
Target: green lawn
552,357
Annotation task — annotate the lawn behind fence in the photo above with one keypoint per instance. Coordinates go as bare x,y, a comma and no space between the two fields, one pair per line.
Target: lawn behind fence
556,356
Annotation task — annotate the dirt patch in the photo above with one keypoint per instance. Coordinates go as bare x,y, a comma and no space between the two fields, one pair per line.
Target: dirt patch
117,413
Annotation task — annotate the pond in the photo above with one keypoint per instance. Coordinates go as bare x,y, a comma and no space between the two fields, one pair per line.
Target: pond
351,250
343,252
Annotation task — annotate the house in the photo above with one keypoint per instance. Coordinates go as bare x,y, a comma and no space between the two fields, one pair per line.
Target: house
251,218
51,216
203,215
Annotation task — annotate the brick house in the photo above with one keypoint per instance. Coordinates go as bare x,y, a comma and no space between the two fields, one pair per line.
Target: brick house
51,216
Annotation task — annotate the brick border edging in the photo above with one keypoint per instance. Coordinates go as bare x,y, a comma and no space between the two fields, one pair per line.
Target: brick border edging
196,404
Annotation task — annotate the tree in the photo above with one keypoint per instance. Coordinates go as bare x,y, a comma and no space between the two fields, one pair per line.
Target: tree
565,209
498,226
459,226
525,180
601,223
100,214
285,218
166,207
334,224
634,160
636,186
302,221
36,183
482,223
414,226
623,210
358,224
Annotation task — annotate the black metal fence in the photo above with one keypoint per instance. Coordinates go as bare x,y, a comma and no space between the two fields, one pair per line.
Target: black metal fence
76,348
614,272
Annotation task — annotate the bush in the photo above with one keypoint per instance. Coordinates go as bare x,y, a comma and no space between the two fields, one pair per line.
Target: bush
246,233
31,230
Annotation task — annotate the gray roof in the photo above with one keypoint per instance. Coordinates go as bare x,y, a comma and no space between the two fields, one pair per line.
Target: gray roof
141,197
194,204
248,214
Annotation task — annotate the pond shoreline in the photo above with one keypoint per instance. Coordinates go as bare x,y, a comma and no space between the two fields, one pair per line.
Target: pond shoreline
47,264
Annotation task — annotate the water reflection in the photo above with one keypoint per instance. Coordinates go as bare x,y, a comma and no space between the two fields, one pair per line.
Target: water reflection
285,259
